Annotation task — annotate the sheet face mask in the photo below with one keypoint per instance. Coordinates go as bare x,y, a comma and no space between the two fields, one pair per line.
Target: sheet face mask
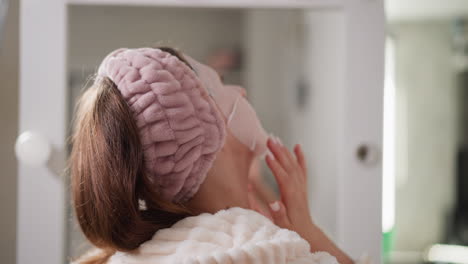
241,118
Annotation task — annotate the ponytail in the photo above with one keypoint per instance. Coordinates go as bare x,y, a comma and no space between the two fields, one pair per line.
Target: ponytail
108,177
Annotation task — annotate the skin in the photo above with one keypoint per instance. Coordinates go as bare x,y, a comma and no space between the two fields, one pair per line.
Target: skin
228,185
229,182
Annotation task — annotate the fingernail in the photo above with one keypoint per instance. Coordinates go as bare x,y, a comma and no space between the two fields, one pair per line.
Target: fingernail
270,156
279,141
275,206
273,138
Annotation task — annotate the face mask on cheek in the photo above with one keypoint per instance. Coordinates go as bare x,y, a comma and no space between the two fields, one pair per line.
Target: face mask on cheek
241,118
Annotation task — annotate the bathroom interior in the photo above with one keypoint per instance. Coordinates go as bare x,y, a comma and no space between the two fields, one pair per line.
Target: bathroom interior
291,67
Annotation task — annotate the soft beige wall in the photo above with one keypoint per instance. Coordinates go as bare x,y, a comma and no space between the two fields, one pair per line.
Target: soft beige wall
8,131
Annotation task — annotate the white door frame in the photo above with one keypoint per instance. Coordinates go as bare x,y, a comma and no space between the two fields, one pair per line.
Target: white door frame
43,93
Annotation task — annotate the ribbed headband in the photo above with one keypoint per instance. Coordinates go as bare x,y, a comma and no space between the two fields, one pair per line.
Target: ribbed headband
180,127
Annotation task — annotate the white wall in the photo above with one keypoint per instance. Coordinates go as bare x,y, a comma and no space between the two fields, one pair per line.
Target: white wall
425,79
322,117
269,36
8,132
97,30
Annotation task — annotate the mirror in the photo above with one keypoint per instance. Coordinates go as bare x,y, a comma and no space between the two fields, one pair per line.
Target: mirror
262,50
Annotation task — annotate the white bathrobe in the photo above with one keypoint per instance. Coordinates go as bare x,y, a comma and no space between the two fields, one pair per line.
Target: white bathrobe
230,236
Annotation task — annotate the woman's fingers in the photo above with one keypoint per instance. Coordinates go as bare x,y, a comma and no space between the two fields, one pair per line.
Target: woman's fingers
301,158
280,174
280,153
287,187
280,217
288,155
294,166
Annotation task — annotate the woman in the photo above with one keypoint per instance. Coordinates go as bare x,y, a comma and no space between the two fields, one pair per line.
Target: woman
160,162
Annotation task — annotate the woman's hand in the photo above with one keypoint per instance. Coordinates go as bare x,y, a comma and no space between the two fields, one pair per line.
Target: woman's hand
291,211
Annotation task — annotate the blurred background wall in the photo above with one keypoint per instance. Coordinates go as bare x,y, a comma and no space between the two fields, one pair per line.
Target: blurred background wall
8,132
427,123
429,182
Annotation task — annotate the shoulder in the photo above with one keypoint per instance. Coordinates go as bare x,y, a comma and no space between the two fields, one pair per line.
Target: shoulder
91,256
234,235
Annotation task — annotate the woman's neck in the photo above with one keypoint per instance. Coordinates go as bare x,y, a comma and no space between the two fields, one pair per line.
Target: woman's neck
223,188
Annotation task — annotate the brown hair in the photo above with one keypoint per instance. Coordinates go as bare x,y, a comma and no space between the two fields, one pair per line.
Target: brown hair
108,177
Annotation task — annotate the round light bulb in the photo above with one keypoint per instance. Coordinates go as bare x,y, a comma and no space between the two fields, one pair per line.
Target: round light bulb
32,149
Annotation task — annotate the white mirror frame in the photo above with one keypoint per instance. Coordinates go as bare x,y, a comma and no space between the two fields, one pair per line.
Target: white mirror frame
43,93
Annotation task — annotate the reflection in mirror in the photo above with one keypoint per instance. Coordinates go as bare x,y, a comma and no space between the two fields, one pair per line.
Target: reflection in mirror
253,48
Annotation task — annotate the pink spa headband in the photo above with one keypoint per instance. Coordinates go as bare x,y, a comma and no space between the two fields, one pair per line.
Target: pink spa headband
179,125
